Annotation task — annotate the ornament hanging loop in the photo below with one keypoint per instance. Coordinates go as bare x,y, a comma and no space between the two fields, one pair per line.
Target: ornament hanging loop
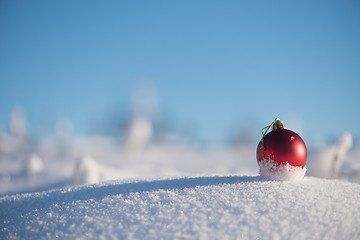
276,124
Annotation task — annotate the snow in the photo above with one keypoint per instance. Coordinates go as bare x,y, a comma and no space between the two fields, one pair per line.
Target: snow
322,167
86,171
139,135
218,207
271,170
95,187
33,165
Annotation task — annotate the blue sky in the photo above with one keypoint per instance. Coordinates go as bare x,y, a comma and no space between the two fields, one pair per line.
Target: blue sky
216,66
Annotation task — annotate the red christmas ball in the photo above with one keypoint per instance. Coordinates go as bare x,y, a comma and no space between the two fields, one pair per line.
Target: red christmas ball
282,146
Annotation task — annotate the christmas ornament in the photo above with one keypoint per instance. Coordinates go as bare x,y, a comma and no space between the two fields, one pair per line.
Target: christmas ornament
281,154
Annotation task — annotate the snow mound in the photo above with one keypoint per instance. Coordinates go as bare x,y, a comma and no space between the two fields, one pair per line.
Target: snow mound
139,135
271,170
86,171
33,165
327,162
219,207
89,171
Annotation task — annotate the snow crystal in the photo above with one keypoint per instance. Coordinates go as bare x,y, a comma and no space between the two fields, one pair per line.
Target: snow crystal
271,170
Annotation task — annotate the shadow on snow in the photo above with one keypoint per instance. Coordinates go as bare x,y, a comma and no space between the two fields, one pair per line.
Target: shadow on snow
12,209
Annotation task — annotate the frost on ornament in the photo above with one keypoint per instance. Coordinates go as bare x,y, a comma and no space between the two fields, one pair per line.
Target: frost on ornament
271,170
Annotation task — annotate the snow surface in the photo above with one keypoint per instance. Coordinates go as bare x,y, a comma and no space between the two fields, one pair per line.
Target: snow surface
218,207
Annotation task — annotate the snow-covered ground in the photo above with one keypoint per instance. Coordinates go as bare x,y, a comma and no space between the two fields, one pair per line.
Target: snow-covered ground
219,207
101,188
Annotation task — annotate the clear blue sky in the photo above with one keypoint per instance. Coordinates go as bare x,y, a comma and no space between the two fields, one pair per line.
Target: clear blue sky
215,65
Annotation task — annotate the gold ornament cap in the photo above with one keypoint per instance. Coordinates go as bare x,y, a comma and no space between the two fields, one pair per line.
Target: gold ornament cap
278,124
